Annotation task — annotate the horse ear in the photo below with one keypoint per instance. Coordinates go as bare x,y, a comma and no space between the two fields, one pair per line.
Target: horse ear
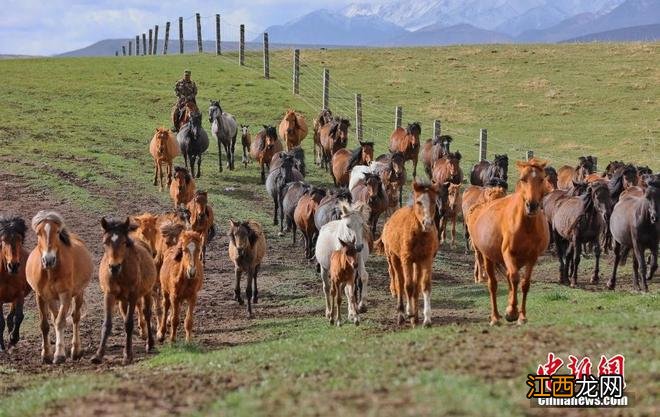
521,165
417,187
252,237
342,243
104,224
65,238
179,254
458,155
345,208
232,223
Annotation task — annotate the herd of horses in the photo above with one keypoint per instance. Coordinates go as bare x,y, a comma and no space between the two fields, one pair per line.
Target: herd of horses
153,264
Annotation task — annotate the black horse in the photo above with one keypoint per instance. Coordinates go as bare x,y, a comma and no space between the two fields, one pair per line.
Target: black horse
193,141
484,171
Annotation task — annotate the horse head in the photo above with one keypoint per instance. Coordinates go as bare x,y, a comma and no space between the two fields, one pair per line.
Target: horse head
424,198
600,194
195,124
52,234
352,220
652,195
12,236
350,252
290,122
531,185
242,236
454,194
189,252
551,178
374,185
215,111
245,130
367,152
414,130
198,207
502,164
116,242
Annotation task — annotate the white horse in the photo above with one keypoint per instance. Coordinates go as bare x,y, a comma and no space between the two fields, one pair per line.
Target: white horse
358,171
224,128
351,226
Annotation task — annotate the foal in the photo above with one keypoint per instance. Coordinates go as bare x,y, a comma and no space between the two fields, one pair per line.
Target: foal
247,247
343,269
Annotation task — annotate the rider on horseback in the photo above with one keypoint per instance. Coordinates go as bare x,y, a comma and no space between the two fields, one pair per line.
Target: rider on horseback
186,91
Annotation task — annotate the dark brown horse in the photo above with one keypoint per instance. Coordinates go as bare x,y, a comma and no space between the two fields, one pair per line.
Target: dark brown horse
434,149
371,192
265,145
566,175
551,178
392,171
344,160
407,141
484,171
324,117
447,169
333,137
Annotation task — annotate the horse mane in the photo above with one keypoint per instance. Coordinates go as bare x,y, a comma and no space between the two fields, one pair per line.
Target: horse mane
171,229
549,171
501,159
12,225
342,194
117,225
412,127
497,182
454,155
641,170
186,173
201,197
47,215
271,132
356,155
441,139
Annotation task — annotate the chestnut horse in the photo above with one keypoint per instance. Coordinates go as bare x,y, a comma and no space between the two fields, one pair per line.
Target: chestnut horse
163,149
447,169
410,243
182,189
407,141
325,116
247,247
127,274
265,145
344,160
476,194
188,109
303,217
293,129
201,219
434,149
510,233
333,137
13,284
58,269
343,270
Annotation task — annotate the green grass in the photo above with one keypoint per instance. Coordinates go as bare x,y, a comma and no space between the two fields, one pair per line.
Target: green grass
80,128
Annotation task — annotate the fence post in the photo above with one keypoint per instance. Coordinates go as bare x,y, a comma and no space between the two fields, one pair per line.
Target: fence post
218,48
137,45
123,50
266,58
398,115
595,163
437,128
483,144
155,50
199,33
326,88
358,117
180,34
144,44
530,154
167,37
241,46
151,42
116,53
296,71
130,48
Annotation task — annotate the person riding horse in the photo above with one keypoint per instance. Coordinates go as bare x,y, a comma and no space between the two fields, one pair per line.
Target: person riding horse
186,91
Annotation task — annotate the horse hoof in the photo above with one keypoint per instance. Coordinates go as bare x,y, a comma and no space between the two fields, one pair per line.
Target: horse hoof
511,317
240,301
160,338
338,323
362,308
427,323
328,315
332,321
495,321
521,321
59,359
96,359
76,356
280,234
594,280
356,321
255,300
610,286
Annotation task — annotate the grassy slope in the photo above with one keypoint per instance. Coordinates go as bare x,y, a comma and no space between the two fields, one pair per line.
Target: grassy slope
78,126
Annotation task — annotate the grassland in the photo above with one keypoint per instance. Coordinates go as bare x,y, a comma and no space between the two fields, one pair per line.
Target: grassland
76,133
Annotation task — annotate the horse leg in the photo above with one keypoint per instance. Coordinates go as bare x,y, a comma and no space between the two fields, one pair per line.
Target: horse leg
492,290
617,258
147,305
46,355
188,323
363,276
199,166
594,279
263,173
294,229
639,255
453,230
60,323
276,204
109,305
326,292
237,288
219,155
248,290
654,263
352,302
174,323
577,253
2,329
415,167
636,272
169,173
337,312
425,277
162,325
524,285
15,318
128,328
409,289
443,229
76,352
333,302
255,291
156,169
233,150
513,278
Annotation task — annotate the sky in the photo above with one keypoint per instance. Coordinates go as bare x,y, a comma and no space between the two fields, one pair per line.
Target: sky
47,27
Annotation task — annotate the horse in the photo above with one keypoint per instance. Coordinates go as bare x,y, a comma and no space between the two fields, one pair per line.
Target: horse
351,226
182,189
265,145
434,149
291,193
635,224
181,278
329,207
447,169
224,128
325,116
201,219
578,220
407,141
193,141
127,274
333,136
551,178
293,129
370,191
276,182
612,167
452,212
511,233
410,243
13,283
181,116
554,198
393,173
344,160
246,140
163,148
58,269
642,173
484,171
298,155
247,247
566,175
343,269
303,217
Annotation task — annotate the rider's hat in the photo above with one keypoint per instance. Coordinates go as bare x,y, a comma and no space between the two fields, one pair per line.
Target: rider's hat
186,72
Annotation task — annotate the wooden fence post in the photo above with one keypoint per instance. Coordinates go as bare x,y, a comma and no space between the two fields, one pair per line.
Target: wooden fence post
130,48
155,50
180,35
218,48
530,154
116,53
326,88
151,42
167,37
241,46
437,128
123,50
296,71
137,45
358,117
398,115
266,58
596,163
483,144
199,33
144,44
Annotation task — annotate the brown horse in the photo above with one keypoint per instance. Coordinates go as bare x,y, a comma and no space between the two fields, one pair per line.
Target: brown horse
58,269
393,174
265,145
407,141
325,116
293,129
551,178
343,270
181,116
566,175
510,233
484,171
246,141
333,137
127,274
13,284
371,192
434,149
182,188
163,149
201,219
447,169
410,242
344,160
181,278
303,217
247,247
452,212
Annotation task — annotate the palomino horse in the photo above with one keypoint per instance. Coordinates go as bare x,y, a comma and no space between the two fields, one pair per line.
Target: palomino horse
325,116
293,129
434,149
246,141
58,269
193,141
13,284
247,247
566,175
484,171
344,160
224,128
410,242
447,169
635,224
127,274
510,233
163,148
183,116
407,141
333,137
265,145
